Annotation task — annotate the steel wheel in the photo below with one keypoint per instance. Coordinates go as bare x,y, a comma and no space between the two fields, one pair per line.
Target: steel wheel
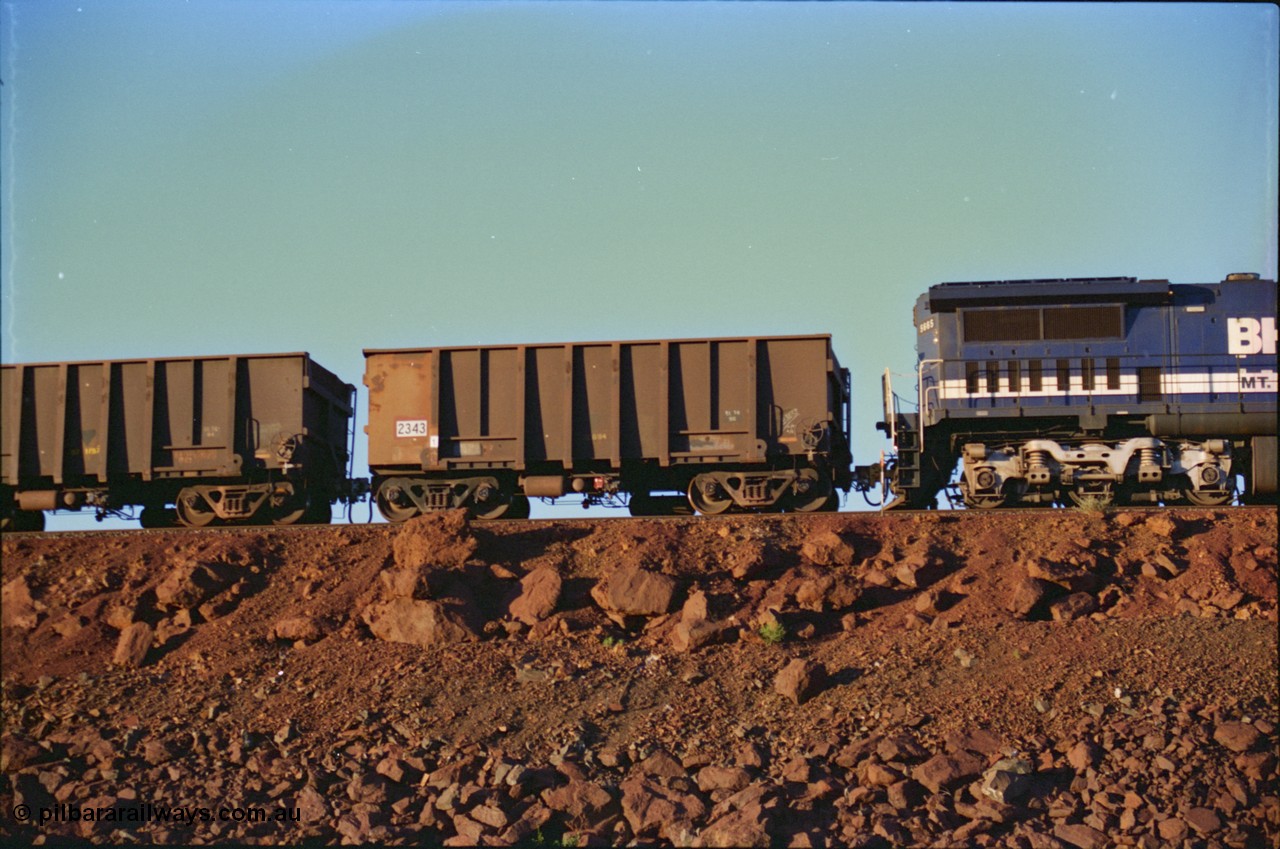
391,502
192,509
494,508
817,493
708,497
1206,499
489,500
288,513
984,502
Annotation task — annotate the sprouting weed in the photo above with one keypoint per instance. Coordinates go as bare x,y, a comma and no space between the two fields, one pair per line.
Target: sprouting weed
772,632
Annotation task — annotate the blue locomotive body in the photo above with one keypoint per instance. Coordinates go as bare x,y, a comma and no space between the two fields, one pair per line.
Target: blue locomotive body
1111,389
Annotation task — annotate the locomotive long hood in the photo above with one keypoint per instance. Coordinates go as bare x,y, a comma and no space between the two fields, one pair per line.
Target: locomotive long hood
946,297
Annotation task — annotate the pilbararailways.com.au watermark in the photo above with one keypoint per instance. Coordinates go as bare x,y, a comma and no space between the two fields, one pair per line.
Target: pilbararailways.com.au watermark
147,813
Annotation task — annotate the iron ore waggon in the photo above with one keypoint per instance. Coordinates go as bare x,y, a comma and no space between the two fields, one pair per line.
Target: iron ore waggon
249,438
1104,390
711,425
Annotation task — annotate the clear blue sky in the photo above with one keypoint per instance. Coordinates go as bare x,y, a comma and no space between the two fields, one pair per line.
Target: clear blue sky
222,176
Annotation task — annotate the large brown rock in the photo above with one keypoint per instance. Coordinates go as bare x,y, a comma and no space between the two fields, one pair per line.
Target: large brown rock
1236,736
1162,525
189,584
1203,820
436,539
827,549
1028,593
827,592
1069,576
585,804
1084,755
1073,606
17,750
1081,835
656,811
633,591
747,826
295,628
419,622
918,571
1008,780
730,778
661,765
311,806
943,771
17,608
694,629
800,680
406,582
132,647
539,595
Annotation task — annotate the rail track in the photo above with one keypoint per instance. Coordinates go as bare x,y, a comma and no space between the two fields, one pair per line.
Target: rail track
590,521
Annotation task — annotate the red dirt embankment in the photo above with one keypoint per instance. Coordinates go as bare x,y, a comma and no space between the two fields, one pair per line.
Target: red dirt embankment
1047,679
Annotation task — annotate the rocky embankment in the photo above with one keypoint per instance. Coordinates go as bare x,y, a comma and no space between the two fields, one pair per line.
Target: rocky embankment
1047,679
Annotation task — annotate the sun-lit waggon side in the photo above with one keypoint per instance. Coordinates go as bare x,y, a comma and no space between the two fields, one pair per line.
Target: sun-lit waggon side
228,438
712,424
1092,391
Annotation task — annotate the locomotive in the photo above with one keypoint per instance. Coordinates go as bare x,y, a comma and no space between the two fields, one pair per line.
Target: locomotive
1041,392
1089,391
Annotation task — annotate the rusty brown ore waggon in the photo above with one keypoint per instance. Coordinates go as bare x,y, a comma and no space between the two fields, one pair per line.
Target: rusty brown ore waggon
262,437
757,423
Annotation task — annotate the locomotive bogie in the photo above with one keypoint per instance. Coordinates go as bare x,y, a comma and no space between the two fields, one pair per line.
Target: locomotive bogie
1137,470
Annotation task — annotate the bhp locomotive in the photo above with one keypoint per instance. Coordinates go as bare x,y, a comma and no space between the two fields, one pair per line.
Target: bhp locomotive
1090,390
1042,392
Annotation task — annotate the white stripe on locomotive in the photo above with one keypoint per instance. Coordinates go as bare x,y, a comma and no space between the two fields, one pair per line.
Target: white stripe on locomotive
1233,383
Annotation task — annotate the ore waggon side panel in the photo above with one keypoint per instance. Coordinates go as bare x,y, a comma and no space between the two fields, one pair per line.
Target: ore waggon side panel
1106,389
745,423
230,438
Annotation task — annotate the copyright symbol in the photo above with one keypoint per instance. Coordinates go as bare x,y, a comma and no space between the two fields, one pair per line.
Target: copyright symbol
22,812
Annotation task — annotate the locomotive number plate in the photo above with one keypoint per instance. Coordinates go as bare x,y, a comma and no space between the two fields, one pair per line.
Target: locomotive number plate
409,428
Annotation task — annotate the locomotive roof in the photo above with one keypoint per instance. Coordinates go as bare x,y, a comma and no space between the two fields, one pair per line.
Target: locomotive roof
946,297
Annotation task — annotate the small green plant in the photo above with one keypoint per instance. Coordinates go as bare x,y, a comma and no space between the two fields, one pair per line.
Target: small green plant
566,840
612,642
772,632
